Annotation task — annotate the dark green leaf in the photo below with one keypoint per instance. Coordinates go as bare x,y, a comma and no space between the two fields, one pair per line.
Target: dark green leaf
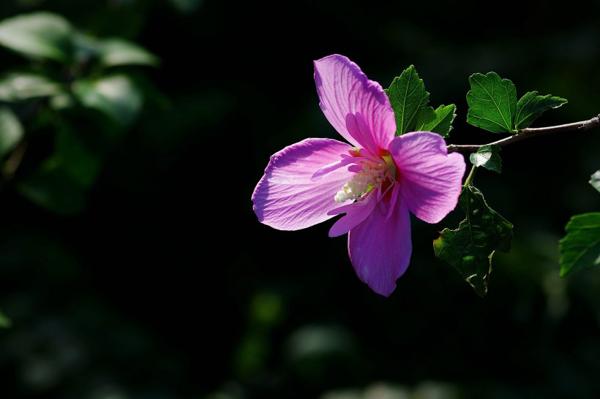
488,157
595,180
532,105
115,96
51,187
11,131
471,247
580,248
76,160
24,86
407,95
438,120
63,181
492,103
37,35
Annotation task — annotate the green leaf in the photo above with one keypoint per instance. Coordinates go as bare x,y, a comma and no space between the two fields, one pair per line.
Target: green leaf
532,105
37,35
487,156
580,248
115,96
492,103
24,86
471,247
438,120
11,131
595,180
407,95
4,321
410,99
114,52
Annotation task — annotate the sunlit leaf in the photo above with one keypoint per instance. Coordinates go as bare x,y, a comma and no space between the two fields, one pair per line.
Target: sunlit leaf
436,120
407,95
487,156
11,131
24,86
410,99
531,106
115,52
492,103
471,247
580,248
115,96
37,35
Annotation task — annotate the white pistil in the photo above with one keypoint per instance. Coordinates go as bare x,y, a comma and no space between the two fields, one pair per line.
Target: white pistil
370,177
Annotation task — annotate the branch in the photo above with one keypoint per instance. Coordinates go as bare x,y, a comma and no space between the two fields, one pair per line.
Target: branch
530,132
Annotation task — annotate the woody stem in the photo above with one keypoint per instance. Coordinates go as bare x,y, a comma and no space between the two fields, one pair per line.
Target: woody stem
530,132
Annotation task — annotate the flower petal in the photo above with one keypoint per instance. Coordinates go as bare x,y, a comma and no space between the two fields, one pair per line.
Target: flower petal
355,214
380,247
287,198
356,107
430,178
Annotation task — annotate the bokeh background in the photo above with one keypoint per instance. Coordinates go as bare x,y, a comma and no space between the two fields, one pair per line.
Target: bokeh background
143,274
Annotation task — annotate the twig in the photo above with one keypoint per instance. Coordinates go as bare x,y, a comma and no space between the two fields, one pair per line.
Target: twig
530,132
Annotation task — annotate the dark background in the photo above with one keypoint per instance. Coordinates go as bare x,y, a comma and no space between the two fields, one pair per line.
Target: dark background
165,285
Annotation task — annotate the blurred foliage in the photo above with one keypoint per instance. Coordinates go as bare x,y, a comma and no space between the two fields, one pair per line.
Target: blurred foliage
164,286
69,70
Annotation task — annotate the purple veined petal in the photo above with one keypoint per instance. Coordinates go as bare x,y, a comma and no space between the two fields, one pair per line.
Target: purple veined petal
381,246
430,178
356,107
340,163
286,197
356,213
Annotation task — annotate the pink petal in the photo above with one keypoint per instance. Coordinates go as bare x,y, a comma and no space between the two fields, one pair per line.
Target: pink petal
380,247
287,198
356,107
430,178
355,214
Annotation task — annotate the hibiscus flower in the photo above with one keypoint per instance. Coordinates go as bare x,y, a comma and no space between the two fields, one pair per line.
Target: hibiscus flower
376,181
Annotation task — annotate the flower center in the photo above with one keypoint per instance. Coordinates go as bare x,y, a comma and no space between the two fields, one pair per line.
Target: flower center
372,175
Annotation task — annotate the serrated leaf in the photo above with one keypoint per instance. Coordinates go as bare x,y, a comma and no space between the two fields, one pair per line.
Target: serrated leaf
532,105
11,131
115,96
37,35
471,247
24,86
487,156
407,96
438,120
492,103
580,248
595,180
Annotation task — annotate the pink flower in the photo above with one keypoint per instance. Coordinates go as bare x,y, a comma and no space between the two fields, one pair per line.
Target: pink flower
375,181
